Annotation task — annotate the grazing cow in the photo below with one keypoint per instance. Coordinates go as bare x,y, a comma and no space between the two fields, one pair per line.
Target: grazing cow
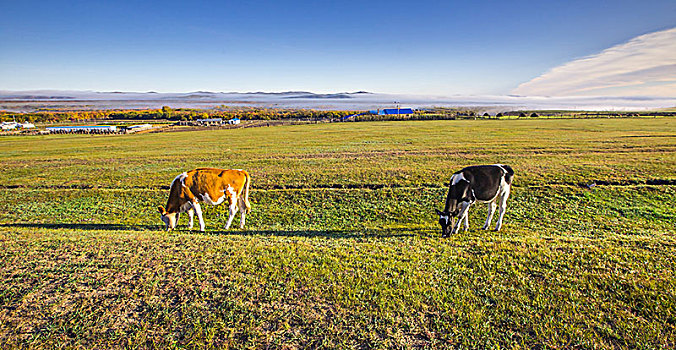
208,185
483,183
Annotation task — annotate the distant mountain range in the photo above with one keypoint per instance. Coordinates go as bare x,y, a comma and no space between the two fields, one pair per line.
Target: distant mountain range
40,95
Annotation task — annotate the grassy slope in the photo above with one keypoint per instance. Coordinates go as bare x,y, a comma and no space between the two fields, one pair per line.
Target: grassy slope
82,261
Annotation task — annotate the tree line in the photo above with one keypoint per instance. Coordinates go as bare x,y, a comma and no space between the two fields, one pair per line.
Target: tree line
171,114
258,113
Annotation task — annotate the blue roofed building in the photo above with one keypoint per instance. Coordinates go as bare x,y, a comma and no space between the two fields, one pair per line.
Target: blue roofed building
392,111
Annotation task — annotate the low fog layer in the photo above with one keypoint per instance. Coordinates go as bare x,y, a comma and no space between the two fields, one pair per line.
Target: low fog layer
28,101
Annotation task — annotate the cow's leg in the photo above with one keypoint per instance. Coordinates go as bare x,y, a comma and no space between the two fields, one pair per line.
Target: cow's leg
242,210
191,214
464,207
491,210
233,211
466,221
198,211
503,207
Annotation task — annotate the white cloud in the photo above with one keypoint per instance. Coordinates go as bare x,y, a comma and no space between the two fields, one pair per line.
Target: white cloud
643,66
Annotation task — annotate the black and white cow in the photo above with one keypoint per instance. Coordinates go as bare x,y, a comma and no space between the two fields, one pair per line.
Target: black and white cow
482,183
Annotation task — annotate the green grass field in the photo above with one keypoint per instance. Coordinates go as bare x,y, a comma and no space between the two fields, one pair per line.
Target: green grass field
342,248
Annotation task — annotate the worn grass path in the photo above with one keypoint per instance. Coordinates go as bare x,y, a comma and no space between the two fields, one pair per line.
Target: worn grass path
83,262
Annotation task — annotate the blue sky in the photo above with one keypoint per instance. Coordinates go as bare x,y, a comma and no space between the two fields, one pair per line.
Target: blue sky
408,47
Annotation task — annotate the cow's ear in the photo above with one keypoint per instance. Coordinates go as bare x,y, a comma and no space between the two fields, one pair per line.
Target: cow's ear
161,210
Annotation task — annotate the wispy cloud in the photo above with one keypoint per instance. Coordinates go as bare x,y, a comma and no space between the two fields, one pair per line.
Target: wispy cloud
643,66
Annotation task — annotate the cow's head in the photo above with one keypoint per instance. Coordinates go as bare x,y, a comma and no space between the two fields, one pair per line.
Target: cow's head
459,195
169,219
446,222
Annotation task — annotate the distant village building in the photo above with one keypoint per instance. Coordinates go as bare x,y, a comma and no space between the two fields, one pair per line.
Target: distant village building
8,125
210,121
384,111
84,129
392,111
202,122
5,126
233,121
137,128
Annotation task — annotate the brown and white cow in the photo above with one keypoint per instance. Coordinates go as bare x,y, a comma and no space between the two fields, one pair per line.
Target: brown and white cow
207,185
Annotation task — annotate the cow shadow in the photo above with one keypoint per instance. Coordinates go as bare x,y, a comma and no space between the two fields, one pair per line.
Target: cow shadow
347,233
84,227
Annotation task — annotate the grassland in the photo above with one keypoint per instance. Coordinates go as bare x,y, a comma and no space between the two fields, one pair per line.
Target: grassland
342,249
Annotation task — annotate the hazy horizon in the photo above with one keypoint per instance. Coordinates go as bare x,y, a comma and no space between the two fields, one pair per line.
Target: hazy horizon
31,101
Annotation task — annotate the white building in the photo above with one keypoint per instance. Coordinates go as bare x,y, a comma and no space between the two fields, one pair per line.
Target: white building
90,129
136,128
9,125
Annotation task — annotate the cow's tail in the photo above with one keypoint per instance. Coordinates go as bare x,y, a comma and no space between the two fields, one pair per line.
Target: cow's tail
247,180
509,174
